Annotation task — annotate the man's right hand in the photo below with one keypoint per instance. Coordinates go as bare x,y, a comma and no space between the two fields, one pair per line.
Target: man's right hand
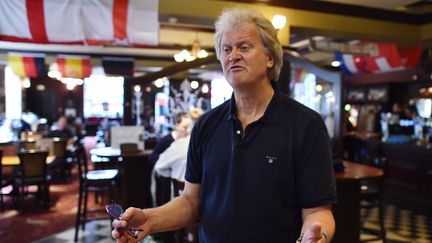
132,218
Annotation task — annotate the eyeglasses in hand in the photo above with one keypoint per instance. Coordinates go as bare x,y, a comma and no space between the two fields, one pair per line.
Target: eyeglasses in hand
115,211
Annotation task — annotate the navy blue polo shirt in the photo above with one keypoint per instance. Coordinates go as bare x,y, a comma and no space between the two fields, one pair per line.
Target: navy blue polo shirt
255,182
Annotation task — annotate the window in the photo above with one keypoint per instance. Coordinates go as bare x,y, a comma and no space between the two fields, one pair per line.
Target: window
103,96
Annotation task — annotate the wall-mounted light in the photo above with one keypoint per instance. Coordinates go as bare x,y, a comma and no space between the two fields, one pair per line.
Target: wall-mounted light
278,21
335,63
194,84
159,82
205,89
137,88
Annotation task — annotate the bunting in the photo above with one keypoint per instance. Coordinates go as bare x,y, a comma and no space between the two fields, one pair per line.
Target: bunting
118,66
389,58
116,22
74,66
30,65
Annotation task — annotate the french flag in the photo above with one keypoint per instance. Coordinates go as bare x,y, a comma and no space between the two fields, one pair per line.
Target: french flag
389,59
115,22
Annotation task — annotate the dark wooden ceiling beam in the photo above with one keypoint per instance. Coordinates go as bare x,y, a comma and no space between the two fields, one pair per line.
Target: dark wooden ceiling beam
171,70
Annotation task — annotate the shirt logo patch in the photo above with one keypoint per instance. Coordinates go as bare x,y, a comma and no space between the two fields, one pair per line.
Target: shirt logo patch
271,159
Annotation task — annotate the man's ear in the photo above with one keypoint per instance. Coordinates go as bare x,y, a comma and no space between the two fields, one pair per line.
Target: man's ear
270,61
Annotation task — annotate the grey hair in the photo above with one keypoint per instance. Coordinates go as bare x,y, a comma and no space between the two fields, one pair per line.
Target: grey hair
232,18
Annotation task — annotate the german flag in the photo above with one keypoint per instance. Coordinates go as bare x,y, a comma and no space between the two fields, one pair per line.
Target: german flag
74,66
118,66
30,65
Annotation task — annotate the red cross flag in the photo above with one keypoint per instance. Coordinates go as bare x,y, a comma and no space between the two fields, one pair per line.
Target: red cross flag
116,22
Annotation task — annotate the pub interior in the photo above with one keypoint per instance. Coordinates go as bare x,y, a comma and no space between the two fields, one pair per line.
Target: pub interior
87,105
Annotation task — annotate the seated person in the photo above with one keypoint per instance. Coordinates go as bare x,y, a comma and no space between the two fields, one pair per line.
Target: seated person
172,162
61,130
182,122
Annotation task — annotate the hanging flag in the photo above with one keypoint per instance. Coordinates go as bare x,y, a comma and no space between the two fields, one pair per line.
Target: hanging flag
389,58
118,66
118,22
30,65
74,66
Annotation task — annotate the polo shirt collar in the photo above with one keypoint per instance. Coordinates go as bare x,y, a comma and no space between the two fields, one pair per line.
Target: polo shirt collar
270,115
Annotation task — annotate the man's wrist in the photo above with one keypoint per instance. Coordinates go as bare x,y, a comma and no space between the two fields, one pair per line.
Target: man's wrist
323,236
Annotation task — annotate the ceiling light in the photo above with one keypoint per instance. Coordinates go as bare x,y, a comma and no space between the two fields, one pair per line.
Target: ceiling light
336,63
26,83
278,21
54,74
318,87
196,52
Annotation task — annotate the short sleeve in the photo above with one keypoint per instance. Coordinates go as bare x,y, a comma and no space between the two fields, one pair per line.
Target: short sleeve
194,158
315,182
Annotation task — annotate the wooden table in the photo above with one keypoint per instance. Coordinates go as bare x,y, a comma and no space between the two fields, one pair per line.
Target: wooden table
13,160
112,153
137,172
347,210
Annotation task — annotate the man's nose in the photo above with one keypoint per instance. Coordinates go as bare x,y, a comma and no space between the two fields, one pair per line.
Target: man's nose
234,55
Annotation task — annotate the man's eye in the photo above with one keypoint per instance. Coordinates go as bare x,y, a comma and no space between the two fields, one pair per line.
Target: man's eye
226,50
244,48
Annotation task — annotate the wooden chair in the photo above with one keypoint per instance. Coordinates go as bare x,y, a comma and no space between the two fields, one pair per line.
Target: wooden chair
59,167
6,179
33,170
98,181
163,195
188,234
27,145
129,148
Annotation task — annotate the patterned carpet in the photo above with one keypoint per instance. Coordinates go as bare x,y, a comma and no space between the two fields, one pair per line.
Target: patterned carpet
36,222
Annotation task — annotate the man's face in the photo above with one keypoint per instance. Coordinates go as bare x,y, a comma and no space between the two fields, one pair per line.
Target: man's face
62,123
243,58
183,128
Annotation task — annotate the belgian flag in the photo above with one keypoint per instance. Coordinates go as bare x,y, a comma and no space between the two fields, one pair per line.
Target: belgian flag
30,65
118,66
